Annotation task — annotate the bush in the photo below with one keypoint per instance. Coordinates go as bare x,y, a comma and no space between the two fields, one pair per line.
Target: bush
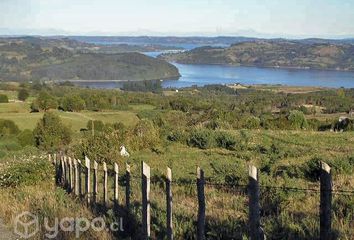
26,138
144,135
26,173
252,123
297,120
225,140
23,94
4,98
8,127
50,134
104,146
201,138
177,136
304,110
312,169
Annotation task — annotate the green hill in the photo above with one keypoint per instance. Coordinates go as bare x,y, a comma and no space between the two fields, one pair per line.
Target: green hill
54,59
287,54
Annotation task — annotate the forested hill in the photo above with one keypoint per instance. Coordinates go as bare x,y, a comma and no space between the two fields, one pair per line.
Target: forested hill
120,66
287,54
32,58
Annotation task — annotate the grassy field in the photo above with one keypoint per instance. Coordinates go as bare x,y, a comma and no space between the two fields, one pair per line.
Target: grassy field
283,157
19,112
286,214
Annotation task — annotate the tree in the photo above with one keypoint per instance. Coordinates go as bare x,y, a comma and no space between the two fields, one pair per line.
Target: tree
72,103
45,101
50,134
23,94
4,98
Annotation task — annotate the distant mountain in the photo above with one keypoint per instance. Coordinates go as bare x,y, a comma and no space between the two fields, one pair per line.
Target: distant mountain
34,58
311,54
202,41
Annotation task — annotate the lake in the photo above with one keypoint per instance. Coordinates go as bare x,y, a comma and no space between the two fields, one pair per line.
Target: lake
201,75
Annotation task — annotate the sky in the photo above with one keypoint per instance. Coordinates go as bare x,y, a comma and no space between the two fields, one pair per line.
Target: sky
254,18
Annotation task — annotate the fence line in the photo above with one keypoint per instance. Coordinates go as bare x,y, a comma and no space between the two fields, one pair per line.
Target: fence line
69,170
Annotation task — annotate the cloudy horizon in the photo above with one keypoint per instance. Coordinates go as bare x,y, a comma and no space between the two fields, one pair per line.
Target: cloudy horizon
254,18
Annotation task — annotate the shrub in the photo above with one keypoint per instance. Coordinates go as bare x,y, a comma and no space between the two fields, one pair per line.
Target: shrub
50,134
26,173
23,94
104,146
4,98
34,106
312,169
201,138
177,136
252,123
144,135
8,127
297,120
304,110
225,140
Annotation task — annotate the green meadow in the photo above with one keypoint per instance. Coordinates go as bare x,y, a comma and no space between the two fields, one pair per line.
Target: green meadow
166,130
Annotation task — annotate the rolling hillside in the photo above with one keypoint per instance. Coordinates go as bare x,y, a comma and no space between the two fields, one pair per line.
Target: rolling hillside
32,58
287,54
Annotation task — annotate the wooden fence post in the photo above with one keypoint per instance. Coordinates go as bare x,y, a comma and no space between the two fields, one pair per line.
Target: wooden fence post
145,186
116,183
201,204
65,172
95,181
70,188
105,179
57,170
62,175
169,225
255,232
79,175
88,180
76,173
127,188
325,202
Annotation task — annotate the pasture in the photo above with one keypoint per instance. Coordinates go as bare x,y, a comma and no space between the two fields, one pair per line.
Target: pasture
19,112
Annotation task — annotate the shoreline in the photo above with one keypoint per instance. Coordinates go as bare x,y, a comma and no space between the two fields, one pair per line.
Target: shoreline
266,67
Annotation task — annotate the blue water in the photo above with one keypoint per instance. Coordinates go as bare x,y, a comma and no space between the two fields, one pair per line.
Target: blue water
216,74
201,75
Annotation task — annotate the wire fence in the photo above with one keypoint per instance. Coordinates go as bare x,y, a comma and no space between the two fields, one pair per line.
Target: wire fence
228,205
